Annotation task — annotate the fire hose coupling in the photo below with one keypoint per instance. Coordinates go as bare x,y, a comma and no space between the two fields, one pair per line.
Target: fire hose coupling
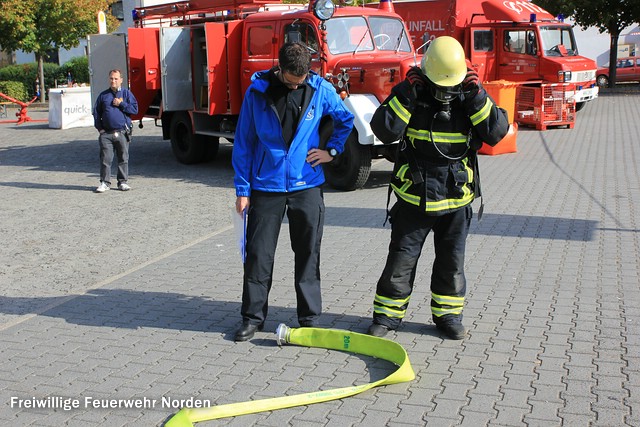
283,333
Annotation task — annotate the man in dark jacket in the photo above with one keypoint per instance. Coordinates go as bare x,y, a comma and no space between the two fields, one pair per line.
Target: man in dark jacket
277,162
441,114
111,118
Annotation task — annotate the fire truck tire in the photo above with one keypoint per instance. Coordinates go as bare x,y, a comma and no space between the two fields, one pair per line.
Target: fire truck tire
580,105
351,169
187,147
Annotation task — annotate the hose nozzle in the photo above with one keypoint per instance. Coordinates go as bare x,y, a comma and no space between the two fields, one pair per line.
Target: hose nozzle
282,334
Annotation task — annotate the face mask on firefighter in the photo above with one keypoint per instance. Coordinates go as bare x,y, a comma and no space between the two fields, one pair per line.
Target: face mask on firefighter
445,95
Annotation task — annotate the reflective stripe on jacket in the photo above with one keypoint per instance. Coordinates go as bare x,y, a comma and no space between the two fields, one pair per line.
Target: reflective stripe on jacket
435,169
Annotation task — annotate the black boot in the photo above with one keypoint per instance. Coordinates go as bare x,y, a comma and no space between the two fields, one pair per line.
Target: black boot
378,330
451,325
247,330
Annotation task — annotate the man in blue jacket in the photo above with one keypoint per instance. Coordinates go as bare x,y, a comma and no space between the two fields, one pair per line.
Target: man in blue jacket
111,118
278,169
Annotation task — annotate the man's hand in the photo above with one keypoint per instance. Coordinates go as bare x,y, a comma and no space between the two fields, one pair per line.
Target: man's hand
316,156
117,102
242,204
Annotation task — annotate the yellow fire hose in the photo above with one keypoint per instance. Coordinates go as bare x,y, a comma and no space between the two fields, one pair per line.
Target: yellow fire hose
333,339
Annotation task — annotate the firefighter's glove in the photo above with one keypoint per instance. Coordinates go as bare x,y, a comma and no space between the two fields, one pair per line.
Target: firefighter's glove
470,85
417,82
416,77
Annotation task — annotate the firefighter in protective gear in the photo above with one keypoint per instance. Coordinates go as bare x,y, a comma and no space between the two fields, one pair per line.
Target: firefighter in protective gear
441,115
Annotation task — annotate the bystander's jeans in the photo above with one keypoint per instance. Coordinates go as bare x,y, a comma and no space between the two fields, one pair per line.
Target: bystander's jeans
108,143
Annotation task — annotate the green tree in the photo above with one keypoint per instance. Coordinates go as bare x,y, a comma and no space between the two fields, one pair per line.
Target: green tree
39,26
608,16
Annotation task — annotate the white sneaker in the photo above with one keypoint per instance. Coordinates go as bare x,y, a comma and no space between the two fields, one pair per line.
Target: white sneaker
102,187
123,186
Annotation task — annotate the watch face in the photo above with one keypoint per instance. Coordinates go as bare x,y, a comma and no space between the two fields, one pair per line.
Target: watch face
333,152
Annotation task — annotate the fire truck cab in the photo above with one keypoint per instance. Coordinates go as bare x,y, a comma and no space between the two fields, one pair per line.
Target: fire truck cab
506,40
190,63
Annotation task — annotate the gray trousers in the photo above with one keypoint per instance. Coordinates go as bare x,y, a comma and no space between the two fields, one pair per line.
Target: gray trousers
110,142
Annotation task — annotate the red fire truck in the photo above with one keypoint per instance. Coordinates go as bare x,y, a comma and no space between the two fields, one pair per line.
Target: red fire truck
506,40
189,64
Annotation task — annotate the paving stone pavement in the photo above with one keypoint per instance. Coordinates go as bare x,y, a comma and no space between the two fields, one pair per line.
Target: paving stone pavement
136,295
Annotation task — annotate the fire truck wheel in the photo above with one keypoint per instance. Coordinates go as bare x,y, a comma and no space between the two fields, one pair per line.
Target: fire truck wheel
350,170
186,146
580,105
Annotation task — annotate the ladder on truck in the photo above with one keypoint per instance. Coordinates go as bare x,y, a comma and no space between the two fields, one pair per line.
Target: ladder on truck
197,11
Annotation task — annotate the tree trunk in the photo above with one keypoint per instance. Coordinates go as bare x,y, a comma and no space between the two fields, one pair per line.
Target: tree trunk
43,92
614,34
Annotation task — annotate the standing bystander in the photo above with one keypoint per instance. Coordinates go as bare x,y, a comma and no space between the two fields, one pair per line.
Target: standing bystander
111,114
277,162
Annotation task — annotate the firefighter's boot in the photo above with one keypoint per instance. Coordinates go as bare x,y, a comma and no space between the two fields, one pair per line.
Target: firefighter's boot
451,325
378,330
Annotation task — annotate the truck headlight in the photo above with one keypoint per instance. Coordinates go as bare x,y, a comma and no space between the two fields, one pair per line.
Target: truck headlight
564,76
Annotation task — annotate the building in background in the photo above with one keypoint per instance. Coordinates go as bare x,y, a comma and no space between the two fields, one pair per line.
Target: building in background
595,45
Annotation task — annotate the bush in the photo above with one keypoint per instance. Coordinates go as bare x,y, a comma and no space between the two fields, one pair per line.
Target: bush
28,75
15,90
79,69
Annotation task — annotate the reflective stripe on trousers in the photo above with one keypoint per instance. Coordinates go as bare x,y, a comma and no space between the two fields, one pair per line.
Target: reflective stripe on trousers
408,234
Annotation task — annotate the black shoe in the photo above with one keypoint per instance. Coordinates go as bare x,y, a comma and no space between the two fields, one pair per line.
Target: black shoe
247,330
308,324
378,330
451,325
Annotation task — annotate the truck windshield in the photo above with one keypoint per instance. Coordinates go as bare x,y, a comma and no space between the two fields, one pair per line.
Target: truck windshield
389,34
553,37
351,34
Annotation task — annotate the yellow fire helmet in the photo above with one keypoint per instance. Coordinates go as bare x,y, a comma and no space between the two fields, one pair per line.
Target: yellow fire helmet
444,62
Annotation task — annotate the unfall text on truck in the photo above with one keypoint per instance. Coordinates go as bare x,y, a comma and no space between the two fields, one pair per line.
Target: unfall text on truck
506,40
191,62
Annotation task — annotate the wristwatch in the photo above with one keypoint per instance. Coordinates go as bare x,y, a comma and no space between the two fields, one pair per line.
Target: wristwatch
333,152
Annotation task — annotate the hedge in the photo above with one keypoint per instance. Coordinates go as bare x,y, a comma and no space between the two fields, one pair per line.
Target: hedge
15,90
28,74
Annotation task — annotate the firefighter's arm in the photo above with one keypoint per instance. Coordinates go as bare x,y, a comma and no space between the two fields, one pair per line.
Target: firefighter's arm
489,121
243,147
391,118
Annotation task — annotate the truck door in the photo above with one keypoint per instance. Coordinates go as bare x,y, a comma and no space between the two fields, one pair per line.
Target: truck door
144,71
518,59
106,52
216,78
483,52
259,49
220,81
175,60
